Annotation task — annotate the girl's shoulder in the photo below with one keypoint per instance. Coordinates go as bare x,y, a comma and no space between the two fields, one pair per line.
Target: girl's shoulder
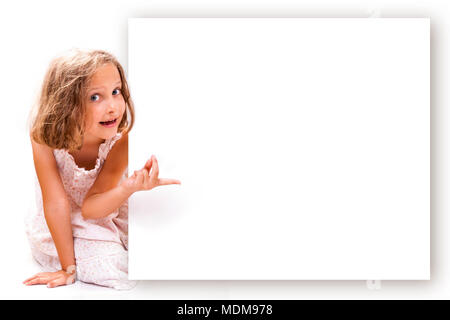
47,173
118,148
40,151
118,141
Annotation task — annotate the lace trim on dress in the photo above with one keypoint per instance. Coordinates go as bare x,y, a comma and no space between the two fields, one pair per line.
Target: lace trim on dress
103,150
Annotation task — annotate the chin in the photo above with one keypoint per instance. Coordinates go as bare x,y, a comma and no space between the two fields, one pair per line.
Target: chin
104,134
110,134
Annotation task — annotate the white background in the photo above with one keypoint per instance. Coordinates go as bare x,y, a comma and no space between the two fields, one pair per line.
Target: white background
34,32
302,146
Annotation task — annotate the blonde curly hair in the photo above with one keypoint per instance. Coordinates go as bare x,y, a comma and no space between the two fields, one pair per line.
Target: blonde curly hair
58,116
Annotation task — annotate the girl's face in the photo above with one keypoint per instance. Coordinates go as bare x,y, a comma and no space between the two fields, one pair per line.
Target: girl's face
105,104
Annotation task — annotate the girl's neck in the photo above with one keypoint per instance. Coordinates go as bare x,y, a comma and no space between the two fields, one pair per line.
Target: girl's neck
87,156
91,142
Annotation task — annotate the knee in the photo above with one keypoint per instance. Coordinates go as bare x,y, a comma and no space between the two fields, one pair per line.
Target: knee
109,270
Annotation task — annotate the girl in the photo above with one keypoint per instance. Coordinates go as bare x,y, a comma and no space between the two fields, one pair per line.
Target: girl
79,137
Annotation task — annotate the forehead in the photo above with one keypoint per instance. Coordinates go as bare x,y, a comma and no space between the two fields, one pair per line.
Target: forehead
107,74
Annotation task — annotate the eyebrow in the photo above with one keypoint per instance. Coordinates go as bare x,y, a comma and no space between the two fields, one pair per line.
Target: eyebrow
96,88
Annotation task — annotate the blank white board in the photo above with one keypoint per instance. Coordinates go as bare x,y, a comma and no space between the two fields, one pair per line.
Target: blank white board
302,145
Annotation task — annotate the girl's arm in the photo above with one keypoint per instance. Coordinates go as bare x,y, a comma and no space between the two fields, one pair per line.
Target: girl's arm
55,203
105,195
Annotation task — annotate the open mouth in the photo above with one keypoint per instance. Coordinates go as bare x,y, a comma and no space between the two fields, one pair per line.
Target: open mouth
108,123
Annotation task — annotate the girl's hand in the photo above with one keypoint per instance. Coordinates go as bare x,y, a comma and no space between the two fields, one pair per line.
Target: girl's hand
52,279
142,180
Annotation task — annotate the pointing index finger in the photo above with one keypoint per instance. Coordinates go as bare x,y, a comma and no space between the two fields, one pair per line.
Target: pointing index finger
163,182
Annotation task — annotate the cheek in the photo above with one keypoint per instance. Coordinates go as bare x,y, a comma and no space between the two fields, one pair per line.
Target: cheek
123,107
90,120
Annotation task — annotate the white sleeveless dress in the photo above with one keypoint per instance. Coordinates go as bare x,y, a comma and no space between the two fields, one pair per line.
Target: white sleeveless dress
100,245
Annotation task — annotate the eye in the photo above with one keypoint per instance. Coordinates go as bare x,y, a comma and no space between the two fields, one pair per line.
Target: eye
116,90
94,97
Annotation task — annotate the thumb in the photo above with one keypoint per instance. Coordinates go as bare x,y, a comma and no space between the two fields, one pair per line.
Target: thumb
148,165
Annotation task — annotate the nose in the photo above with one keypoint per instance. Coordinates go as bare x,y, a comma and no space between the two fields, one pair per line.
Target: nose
112,106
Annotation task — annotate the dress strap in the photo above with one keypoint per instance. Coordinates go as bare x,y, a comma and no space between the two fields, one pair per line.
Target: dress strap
107,145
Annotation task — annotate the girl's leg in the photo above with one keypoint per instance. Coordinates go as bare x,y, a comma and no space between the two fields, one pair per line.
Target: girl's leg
49,263
104,263
121,222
